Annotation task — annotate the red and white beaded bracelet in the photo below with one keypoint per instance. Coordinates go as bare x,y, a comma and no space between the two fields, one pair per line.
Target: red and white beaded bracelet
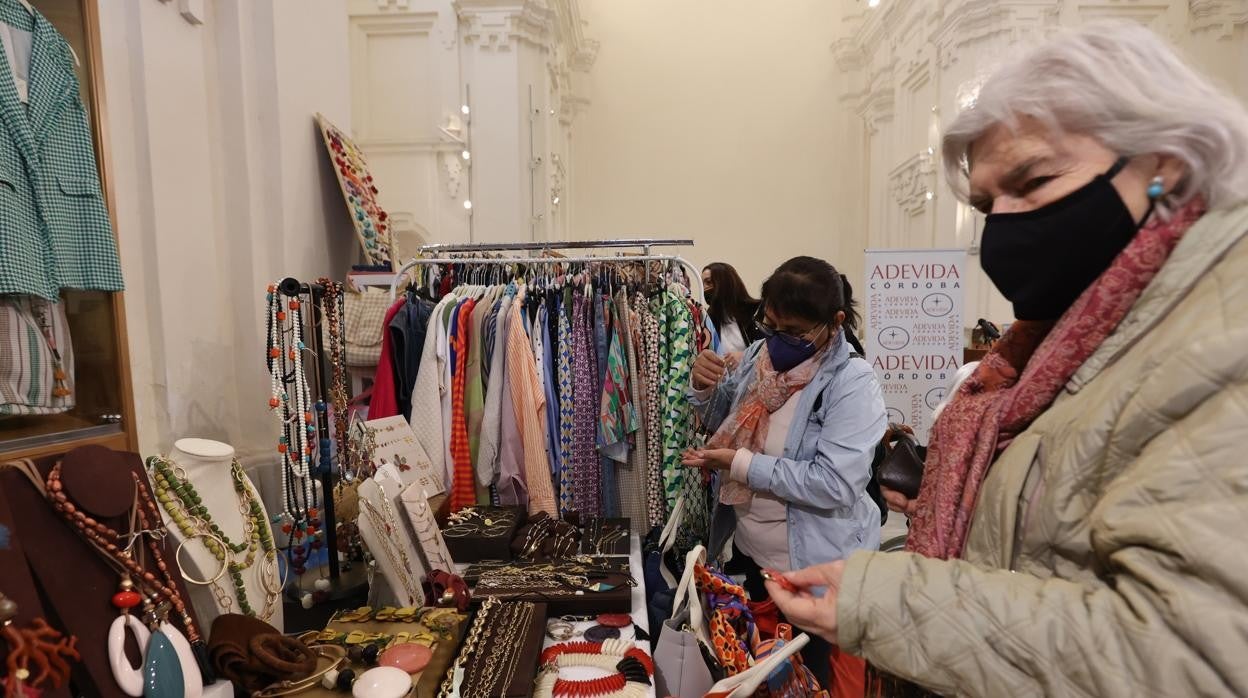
632,669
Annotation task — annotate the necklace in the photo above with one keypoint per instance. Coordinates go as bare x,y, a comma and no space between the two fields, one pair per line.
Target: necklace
160,594
291,400
334,314
383,521
184,505
455,674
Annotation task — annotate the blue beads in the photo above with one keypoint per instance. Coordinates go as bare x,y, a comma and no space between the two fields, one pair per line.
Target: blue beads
324,445
321,406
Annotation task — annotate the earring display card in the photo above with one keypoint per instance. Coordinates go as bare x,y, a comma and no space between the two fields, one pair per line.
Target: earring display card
396,443
371,221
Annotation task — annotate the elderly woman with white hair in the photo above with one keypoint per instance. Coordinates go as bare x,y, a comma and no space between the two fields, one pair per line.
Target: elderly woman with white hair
1080,525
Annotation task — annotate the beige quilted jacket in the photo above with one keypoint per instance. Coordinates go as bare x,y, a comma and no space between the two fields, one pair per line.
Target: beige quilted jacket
1108,555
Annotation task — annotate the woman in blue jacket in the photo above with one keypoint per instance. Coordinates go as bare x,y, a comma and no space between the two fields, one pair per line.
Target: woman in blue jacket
795,428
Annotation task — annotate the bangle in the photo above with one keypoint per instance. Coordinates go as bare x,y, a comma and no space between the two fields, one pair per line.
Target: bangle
337,654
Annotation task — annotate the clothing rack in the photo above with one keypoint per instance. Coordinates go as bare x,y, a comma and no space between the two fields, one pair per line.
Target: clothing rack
645,243
695,274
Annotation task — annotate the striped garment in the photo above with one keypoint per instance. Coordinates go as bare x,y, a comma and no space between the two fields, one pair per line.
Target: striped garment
27,362
530,404
463,490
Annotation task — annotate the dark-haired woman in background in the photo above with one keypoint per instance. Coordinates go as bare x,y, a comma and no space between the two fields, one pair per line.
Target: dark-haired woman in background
731,307
795,428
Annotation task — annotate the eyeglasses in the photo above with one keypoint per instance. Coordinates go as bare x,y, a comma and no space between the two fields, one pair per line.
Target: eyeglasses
768,332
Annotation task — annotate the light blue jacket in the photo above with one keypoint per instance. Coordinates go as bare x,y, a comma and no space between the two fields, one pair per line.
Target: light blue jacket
823,474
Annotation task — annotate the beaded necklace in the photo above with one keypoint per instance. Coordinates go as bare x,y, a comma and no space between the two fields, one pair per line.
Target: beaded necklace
185,507
291,401
334,306
159,589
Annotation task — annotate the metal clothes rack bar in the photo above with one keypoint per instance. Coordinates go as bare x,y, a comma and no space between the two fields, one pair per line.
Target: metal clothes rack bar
646,243
695,275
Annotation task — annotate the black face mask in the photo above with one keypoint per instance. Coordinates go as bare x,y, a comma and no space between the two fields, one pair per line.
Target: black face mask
1042,260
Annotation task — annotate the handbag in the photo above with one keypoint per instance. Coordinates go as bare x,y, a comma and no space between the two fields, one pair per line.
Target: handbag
657,572
681,668
747,683
792,678
365,313
902,466
36,357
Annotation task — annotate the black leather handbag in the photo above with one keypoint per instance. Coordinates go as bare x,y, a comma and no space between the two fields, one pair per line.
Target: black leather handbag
901,468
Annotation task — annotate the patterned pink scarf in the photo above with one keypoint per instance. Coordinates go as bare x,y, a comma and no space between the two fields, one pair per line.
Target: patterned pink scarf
1019,379
747,426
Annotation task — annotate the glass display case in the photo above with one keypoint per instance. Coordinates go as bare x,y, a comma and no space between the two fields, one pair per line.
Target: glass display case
104,407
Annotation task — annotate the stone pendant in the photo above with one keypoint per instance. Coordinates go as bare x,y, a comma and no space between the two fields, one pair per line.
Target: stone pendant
162,669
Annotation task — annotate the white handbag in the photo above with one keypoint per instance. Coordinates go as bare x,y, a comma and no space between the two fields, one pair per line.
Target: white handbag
746,683
680,665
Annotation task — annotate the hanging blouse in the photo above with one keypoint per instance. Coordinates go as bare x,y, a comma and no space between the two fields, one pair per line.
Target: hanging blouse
463,491
530,403
493,345
631,475
585,464
567,411
426,420
616,418
656,499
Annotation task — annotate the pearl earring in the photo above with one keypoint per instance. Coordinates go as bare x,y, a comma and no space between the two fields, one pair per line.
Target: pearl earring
1156,188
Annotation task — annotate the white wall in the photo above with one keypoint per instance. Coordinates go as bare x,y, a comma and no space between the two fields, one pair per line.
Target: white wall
221,185
904,67
414,65
767,130
715,120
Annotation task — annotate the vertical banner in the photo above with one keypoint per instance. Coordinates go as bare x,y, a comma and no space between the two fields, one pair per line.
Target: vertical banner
914,329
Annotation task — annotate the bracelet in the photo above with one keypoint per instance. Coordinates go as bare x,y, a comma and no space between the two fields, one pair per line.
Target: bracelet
560,630
286,688
632,666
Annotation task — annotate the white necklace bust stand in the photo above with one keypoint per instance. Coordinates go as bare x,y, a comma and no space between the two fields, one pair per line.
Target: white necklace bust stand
206,465
380,510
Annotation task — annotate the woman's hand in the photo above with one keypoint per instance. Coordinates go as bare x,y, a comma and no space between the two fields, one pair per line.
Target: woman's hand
898,502
816,614
711,459
708,370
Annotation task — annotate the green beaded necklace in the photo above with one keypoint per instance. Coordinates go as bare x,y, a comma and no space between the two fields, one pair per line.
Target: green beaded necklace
183,504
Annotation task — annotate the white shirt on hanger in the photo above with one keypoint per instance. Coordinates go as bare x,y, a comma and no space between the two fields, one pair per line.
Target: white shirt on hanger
18,45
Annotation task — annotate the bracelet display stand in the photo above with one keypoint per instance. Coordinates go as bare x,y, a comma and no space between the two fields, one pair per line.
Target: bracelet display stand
206,465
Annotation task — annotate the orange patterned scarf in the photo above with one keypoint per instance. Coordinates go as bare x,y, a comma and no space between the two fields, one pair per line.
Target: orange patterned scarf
747,426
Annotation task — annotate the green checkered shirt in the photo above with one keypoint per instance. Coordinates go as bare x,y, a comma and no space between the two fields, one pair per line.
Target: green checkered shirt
54,228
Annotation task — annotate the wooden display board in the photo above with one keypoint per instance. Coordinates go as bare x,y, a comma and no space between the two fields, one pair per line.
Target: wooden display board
372,225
